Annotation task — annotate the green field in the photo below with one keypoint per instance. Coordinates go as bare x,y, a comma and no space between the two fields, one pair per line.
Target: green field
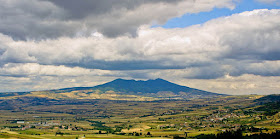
71,119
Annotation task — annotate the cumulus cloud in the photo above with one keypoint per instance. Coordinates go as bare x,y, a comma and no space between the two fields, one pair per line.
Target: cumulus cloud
33,83
240,46
34,69
32,77
217,47
236,85
43,19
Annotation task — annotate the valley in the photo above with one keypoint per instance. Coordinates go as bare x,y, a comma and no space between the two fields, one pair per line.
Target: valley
119,109
31,117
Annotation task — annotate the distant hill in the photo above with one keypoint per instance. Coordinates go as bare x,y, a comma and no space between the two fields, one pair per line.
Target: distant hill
268,99
7,94
121,89
149,86
270,104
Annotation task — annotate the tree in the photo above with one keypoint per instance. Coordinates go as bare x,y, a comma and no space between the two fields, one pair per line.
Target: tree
186,134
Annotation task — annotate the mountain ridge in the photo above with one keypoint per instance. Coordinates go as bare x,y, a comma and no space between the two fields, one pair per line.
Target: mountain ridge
148,86
120,89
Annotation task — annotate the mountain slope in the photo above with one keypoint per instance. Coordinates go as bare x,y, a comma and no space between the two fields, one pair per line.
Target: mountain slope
149,86
268,99
121,89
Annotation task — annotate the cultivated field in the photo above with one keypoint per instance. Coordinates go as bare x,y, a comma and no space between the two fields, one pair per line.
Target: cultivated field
48,118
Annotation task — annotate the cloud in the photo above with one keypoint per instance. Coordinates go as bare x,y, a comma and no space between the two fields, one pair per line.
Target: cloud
33,83
32,76
236,85
34,69
244,45
218,45
44,19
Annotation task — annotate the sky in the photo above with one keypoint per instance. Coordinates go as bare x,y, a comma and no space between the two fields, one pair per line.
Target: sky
223,46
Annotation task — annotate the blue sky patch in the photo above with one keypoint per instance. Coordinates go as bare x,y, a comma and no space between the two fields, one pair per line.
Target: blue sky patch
202,17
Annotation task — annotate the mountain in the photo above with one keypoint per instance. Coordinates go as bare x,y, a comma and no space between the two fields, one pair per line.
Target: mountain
149,86
121,89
